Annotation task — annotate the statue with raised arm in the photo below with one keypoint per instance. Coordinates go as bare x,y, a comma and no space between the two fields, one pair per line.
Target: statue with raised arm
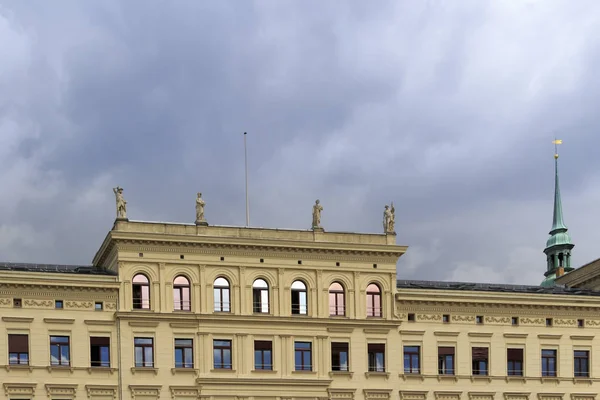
121,203
316,222
200,210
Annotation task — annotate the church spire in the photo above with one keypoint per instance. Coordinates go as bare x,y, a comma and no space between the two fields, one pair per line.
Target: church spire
558,246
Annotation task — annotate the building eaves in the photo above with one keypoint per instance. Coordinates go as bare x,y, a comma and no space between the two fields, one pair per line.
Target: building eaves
54,268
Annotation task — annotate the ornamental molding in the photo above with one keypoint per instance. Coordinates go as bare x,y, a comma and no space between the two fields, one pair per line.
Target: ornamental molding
79,304
61,391
516,395
564,322
411,333
377,394
250,250
463,318
101,390
63,321
583,396
549,336
19,389
429,317
497,320
582,337
145,390
376,331
482,395
74,292
447,395
184,391
21,320
413,395
38,303
341,394
550,396
516,335
497,308
446,333
5,302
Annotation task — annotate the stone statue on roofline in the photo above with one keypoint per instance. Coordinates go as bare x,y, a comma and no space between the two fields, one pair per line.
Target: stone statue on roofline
389,219
316,221
200,220
121,203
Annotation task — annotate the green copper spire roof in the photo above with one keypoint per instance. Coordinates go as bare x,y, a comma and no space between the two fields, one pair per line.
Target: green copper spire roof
558,246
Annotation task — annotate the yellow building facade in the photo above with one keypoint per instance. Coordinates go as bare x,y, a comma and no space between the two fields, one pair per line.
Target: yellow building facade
181,312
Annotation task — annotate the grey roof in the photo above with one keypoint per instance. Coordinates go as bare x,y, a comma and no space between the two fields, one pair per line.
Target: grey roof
54,268
493,287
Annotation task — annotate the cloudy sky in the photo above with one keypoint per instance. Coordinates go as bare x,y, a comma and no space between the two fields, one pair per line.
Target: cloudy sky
447,108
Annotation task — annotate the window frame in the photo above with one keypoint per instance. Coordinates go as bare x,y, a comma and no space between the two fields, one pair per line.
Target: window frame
261,348
414,353
258,301
186,357
372,310
59,344
137,298
101,342
15,344
303,352
443,355
143,346
577,361
179,290
337,349
374,350
219,303
339,296
297,306
222,350
476,369
513,361
546,356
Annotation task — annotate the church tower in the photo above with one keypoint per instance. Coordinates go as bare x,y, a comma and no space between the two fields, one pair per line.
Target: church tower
558,246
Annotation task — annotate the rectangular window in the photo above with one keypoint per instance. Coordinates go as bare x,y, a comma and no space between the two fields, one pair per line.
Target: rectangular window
376,353
100,351
184,353
58,304
582,363
263,354
303,356
144,352
412,363
98,306
446,360
480,358
514,362
222,354
18,349
59,351
339,356
548,362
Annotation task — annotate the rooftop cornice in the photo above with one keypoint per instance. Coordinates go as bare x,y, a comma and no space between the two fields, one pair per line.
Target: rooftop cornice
45,279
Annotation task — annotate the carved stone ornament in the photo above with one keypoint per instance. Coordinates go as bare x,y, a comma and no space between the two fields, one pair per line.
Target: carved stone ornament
101,391
200,203
121,203
38,303
389,219
316,216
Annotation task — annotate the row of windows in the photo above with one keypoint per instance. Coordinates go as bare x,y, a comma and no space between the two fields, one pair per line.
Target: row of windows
260,296
18,349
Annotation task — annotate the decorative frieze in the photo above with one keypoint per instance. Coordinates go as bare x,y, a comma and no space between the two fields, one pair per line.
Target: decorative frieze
413,395
189,392
516,395
79,304
550,396
341,394
33,303
497,320
61,391
429,317
145,391
462,318
20,390
377,394
4,302
101,391
482,395
447,395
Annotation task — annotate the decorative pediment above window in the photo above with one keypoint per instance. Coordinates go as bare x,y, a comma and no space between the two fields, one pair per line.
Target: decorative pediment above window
413,395
341,394
58,391
19,390
377,394
445,395
481,395
145,391
516,395
550,396
189,392
101,391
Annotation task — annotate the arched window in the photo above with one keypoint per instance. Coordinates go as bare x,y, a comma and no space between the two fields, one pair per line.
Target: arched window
181,294
260,296
336,299
141,292
221,292
373,301
299,300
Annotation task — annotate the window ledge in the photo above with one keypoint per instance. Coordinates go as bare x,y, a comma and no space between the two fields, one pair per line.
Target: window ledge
370,374
447,377
349,374
59,368
515,378
135,370
222,370
264,371
412,376
481,378
582,380
183,370
101,369
20,367
545,379
304,372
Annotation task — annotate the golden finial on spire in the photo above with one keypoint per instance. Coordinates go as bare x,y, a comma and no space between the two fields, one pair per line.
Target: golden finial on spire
556,142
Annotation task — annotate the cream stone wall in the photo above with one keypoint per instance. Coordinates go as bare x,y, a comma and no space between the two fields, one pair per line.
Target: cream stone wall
203,253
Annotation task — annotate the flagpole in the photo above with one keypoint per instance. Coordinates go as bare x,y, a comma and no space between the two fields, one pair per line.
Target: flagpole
246,171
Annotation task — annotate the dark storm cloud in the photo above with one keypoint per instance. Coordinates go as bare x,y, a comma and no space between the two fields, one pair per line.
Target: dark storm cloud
446,110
